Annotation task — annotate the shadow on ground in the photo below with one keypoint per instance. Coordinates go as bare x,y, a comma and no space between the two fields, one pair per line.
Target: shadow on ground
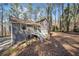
73,33
73,45
52,47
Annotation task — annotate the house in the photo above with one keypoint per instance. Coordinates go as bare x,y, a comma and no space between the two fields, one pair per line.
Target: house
24,29
44,25
20,29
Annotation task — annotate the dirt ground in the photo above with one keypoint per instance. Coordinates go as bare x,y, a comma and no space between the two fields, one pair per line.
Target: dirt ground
60,44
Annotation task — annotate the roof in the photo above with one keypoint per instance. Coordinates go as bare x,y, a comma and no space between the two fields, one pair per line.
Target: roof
22,21
41,20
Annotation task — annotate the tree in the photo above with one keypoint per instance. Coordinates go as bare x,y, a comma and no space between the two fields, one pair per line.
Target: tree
25,16
66,18
62,5
70,15
49,16
6,23
14,9
59,14
75,15
36,11
1,19
23,12
54,12
29,10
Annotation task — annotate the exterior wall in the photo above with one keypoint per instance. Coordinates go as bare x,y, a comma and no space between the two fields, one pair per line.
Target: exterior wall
44,26
18,34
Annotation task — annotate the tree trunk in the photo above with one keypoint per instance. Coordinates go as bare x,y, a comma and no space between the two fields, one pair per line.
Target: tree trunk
74,29
62,16
2,21
68,18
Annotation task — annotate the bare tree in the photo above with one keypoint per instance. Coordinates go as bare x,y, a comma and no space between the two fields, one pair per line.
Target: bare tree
49,16
2,20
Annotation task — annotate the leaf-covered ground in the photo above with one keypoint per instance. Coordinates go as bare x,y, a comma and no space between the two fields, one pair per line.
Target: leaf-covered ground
60,44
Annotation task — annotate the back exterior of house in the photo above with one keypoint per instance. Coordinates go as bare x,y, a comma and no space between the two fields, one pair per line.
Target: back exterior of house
21,29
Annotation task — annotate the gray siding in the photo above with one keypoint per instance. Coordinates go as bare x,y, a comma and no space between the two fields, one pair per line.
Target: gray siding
18,34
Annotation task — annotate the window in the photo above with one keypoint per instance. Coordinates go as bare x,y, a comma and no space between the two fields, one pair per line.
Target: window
24,27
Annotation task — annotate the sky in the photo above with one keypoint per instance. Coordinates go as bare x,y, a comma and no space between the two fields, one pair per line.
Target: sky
7,7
